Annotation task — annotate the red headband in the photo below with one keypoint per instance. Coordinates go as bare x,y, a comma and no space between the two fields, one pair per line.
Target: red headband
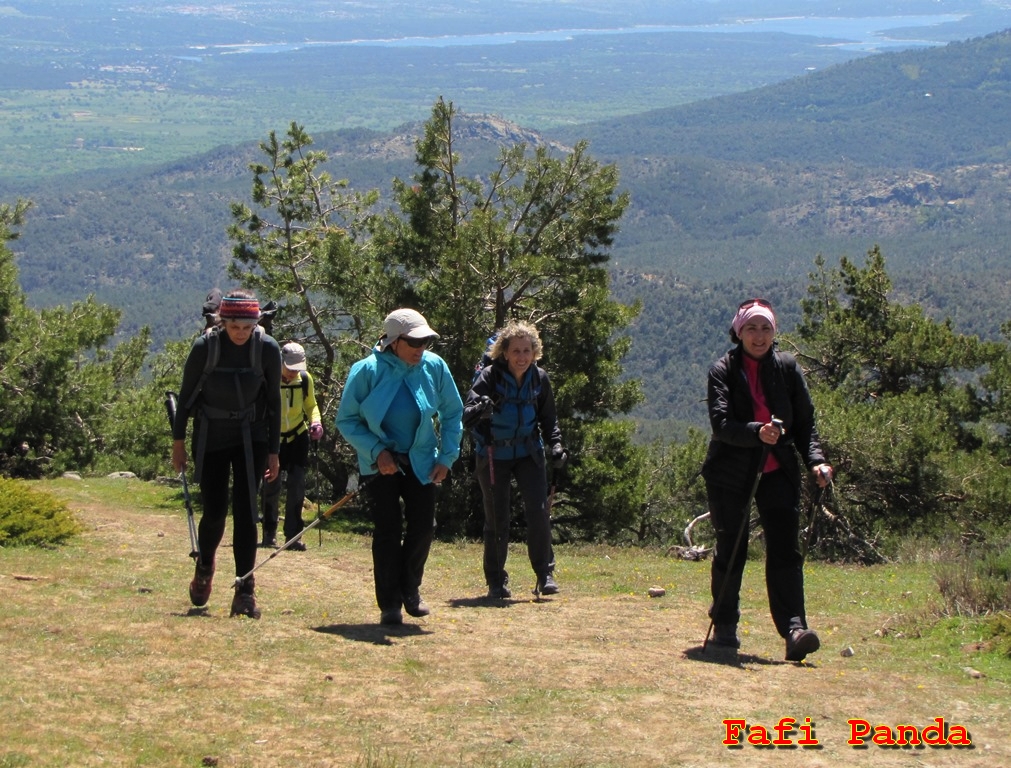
239,309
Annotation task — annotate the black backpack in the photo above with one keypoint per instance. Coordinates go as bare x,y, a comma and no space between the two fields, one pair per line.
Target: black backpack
213,341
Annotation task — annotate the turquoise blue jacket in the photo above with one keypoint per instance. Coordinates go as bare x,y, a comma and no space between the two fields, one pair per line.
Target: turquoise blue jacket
370,388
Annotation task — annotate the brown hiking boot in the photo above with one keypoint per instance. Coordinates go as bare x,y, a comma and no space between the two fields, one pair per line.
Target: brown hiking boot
800,643
200,587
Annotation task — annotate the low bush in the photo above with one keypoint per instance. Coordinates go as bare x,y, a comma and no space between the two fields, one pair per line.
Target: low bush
33,518
978,584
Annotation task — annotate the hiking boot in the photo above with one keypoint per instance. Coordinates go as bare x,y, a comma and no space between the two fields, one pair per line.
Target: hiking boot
298,546
726,635
801,642
200,587
392,617
269,541
244,604
500,593
546,585
415,606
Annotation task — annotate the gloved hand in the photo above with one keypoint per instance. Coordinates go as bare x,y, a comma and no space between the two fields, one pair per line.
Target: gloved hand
487,406
315,431
559,456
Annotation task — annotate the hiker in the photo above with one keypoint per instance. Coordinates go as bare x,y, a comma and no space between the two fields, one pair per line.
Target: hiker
300,424
386,413
510,411
750,386
232,387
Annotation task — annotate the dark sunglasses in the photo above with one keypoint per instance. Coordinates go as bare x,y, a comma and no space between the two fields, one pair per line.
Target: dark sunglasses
416,343
752,302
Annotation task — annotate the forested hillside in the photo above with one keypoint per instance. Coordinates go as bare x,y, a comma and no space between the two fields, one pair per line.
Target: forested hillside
730,197
931,109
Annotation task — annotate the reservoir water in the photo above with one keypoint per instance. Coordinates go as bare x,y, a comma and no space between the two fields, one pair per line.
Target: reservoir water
865,33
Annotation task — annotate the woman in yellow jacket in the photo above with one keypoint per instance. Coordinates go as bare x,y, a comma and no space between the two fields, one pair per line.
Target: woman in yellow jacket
300,423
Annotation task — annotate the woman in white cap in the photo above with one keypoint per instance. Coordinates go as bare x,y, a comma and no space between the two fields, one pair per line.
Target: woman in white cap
387,413
760,408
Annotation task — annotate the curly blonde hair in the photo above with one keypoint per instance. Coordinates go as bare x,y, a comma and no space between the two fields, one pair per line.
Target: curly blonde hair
516,330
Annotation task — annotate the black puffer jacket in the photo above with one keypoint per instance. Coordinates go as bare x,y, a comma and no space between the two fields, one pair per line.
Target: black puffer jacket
735,448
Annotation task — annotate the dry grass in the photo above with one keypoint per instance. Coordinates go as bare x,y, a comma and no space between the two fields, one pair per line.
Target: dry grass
105,664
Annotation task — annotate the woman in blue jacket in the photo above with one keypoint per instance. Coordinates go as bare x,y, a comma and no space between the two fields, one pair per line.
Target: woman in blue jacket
510,411
387,414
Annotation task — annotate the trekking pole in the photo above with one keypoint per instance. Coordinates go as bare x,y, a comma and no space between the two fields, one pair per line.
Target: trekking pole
171,401
315,472
239,580
812,518
746,514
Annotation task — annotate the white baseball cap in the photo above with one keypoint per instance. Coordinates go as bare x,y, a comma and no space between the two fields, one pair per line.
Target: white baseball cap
407,323
293,356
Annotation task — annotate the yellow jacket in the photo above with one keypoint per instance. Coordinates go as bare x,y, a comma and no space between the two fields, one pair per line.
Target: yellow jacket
298,406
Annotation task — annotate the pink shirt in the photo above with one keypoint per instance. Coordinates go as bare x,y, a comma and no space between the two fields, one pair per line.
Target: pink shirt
760,406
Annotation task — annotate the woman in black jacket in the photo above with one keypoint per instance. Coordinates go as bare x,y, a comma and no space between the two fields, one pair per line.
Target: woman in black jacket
760,410
232,388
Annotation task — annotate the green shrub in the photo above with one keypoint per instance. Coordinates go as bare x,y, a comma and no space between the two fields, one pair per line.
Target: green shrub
32,518
1000,633
979,584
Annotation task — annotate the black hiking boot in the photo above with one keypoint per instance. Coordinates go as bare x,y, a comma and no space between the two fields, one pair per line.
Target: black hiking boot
244,601
415,606
200,587
726,635
546,585
500,592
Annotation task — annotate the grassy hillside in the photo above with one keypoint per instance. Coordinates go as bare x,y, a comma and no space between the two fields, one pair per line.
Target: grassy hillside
107,664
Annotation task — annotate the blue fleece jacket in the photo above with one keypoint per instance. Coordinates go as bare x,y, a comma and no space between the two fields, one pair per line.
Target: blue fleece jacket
371,386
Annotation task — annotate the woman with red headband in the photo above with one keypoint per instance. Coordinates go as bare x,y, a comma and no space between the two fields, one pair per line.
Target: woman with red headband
232,387
761,412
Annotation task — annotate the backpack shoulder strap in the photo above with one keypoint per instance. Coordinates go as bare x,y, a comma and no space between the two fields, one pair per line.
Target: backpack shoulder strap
304,378
212,341
542,390
790,369
256,350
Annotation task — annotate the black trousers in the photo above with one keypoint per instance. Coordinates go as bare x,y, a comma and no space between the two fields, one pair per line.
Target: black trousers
533,487
778,503
401,540
222,469
294,460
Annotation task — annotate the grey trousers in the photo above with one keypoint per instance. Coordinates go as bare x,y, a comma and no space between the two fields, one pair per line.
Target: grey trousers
533,487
